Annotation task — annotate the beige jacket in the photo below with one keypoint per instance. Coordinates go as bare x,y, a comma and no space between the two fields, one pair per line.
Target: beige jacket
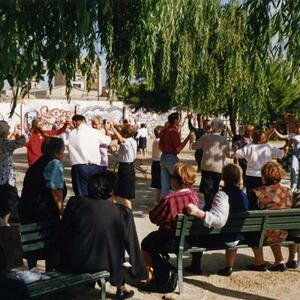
215,150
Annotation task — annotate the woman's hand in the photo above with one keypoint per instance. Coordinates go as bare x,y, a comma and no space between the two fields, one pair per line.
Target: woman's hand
193,210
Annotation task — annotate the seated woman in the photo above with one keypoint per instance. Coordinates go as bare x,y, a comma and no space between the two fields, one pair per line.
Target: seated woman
238,202
271,195
44,187
95,233
165,213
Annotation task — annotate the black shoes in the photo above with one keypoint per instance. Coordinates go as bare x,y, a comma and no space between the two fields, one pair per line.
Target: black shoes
194,269
227,271
259,268
278,268
292,264
124,294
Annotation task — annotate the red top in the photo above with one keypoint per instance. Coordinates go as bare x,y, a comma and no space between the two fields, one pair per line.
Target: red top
35,143
169,140
165,213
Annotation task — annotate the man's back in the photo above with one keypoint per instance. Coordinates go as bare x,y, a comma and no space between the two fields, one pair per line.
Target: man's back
84,144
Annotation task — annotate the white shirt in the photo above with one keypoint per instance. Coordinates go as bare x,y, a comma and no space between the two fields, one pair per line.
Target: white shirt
217,216
142,132
84,143
127,151
257,155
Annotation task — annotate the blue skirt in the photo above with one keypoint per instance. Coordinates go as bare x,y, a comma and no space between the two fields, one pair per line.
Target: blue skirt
142,142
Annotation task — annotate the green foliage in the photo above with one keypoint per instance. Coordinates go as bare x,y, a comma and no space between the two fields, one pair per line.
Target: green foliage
284,91
211,57
138,97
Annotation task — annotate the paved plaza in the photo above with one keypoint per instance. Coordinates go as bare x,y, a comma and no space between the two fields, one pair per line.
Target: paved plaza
241,285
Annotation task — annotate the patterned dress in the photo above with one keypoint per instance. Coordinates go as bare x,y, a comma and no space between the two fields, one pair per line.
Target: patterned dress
273,197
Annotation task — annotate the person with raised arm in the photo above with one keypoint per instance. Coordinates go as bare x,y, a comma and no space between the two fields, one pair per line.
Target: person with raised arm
8,191
127,154
293,140
170,145
84,149
36,138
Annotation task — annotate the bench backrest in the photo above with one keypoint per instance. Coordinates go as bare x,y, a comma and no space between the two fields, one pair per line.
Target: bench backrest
251,221
36,236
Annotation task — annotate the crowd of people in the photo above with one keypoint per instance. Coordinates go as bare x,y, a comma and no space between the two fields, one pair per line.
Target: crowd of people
95,229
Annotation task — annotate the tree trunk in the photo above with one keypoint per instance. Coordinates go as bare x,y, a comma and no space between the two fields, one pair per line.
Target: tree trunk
232,115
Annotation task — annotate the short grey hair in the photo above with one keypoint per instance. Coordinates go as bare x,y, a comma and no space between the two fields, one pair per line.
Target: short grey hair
217,125
4,129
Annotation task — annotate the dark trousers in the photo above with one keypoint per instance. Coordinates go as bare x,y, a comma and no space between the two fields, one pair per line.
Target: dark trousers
160,241
243,165
252,182
80,176
209,186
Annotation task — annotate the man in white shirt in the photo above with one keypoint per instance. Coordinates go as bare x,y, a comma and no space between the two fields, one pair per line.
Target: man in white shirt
85,157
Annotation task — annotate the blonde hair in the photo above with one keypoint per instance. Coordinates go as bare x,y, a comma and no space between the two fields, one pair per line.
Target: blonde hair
272,172
185,174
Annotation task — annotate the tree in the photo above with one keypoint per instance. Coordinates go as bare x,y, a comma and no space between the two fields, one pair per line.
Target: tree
182,44
284,93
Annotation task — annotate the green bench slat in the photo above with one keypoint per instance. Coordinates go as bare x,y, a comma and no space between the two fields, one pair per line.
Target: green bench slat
54,277
32,237
38,226
66,279
33,246
62,281
233,229
283,226
284,219
257,221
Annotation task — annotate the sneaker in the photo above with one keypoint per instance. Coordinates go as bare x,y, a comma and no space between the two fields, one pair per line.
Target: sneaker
259,268
278,268
227,271
194,270
292,264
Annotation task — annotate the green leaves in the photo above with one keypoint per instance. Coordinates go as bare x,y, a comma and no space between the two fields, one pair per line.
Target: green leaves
206,53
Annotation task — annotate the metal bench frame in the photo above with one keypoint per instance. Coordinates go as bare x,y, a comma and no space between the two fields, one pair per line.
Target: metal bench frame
34,237
257,221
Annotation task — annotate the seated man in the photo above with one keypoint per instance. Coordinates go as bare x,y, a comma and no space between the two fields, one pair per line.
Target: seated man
95,233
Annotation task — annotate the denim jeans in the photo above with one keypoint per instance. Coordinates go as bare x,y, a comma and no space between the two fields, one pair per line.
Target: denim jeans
167,162
295,180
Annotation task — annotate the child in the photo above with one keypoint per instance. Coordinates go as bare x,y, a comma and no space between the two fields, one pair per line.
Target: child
231,200
142,138
155,166
127,154
165,213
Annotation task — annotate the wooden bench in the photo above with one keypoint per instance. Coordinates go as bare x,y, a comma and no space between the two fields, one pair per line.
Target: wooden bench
256,221
35,237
